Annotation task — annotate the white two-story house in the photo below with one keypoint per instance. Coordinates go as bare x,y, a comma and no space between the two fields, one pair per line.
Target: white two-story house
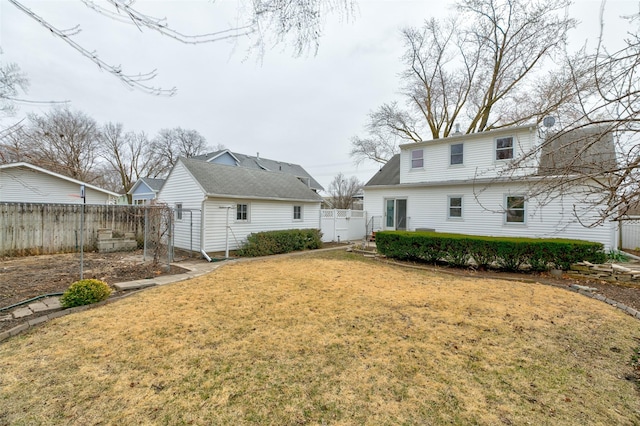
458,185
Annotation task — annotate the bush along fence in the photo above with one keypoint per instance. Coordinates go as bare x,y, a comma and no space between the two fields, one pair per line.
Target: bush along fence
277,242
505,253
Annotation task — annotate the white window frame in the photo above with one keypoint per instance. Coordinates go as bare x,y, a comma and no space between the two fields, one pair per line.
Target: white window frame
298,219
449,198
496,149
179,210
451,155
506,210
421,159
246,213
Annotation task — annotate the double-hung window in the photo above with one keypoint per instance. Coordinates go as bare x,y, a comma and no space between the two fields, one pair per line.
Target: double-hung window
457,154
297,212
454,207
504,148
242,212
178,211
417,159
515,212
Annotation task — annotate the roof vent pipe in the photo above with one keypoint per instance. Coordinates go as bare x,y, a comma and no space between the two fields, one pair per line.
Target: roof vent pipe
257,155
457,132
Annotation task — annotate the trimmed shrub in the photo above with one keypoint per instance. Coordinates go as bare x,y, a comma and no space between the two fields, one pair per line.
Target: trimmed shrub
277,242
85,292
510,254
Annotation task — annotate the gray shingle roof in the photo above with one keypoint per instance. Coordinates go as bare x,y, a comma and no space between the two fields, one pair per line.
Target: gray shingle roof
153,183
266,164
243,182
389,174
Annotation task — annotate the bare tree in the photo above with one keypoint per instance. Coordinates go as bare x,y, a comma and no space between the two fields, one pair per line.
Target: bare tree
128,155
342,191
473,72
262,21
170,144
593,143
63,141
12,82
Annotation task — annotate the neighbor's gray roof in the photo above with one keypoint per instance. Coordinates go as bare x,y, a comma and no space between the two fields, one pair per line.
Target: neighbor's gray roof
153,183
243,182
389,174
589,150
265,164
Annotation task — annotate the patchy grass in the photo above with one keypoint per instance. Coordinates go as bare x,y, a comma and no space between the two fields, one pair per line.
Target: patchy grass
327,339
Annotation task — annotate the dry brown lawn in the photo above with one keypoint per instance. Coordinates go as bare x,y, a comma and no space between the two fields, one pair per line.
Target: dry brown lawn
328,339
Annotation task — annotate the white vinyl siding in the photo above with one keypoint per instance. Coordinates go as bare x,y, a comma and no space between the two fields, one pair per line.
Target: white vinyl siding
479,153
265,216
181,188
25,185
426,207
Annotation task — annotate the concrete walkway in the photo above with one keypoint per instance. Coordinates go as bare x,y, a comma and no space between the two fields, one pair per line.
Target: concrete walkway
44,309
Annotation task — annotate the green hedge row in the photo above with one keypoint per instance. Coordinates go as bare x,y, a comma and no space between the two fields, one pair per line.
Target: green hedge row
276,242
505,253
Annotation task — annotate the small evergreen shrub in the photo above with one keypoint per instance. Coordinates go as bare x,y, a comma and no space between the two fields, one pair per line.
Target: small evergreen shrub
85,292
277,242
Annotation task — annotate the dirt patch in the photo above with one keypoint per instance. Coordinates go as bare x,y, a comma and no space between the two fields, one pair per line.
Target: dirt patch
22,278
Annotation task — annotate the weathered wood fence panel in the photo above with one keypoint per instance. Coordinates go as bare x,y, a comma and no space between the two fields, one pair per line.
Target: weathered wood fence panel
27,228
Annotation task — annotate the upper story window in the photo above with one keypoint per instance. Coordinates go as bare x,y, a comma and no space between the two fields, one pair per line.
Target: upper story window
457,153
515,212
455,207
297,212
242,212
417,159
178,211
504,148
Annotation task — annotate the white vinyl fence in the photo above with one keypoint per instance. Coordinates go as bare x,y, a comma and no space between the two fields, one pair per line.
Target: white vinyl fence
630,233
343,225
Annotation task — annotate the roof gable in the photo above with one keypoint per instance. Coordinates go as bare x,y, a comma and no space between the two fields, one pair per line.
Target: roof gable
57,176
389,174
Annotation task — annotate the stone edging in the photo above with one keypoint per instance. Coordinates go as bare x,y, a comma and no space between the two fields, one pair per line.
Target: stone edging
57,314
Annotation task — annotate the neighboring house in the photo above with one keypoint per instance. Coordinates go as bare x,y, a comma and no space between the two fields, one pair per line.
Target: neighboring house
207,196
26,183
145,190
241,160
454,185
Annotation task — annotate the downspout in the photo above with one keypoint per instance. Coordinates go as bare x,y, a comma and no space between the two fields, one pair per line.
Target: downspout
202,220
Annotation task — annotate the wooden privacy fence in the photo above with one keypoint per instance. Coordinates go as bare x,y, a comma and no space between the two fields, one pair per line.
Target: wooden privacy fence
27,228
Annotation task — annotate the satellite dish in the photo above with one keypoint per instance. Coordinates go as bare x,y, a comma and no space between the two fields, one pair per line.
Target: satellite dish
549,121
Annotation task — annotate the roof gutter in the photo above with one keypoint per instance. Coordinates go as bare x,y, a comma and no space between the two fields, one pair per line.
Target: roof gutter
255,197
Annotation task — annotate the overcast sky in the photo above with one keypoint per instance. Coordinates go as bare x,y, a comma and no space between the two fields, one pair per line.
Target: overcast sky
298,110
